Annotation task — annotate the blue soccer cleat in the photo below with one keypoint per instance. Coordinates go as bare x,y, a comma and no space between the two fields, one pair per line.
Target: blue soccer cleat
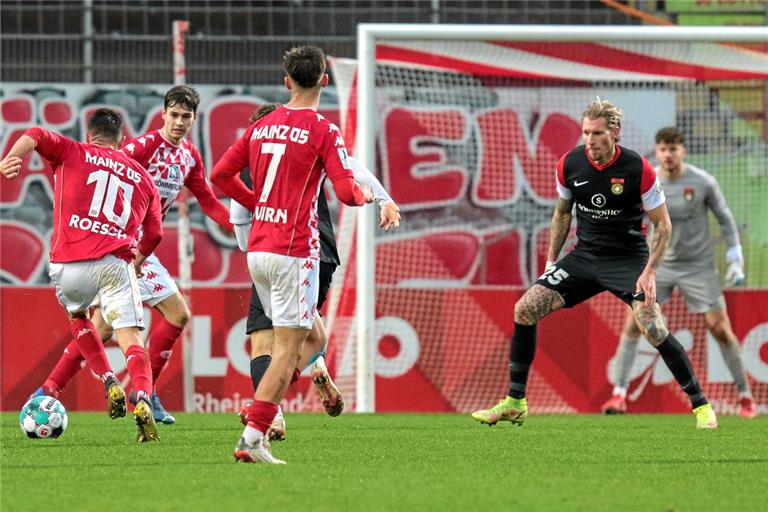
159,412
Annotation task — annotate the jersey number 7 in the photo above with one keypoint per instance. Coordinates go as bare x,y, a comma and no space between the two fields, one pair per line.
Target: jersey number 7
277,151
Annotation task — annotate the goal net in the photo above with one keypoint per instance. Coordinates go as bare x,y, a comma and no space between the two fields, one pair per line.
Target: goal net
464,126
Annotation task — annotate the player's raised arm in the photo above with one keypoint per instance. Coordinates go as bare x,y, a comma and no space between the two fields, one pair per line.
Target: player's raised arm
390,213
202,190
49,144
225,173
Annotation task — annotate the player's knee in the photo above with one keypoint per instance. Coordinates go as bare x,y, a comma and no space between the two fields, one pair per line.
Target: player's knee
181,317
721,331
651,326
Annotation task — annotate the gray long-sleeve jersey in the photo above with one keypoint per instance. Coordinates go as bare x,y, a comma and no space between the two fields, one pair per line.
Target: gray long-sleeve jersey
688,199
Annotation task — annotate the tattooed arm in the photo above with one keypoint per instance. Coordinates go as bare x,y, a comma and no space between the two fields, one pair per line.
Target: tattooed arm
561,224
662,228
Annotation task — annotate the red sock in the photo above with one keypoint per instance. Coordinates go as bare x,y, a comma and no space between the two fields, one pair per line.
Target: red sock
261,414
138,368
91,347
161,341
66,367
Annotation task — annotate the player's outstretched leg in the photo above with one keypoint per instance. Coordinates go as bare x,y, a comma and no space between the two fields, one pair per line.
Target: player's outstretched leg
146,431
332,400
510,409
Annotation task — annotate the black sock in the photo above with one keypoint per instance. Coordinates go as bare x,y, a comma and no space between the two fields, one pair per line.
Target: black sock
259,367
678,363
521,351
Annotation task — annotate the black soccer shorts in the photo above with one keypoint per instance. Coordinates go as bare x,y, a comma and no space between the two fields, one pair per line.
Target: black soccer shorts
258,321
580,275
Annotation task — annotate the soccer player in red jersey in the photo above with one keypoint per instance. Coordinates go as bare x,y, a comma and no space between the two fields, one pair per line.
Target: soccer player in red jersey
289,151
102,199
611,187
173,162
259,326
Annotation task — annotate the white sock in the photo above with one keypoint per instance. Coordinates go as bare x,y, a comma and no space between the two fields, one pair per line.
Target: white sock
252,436
622,392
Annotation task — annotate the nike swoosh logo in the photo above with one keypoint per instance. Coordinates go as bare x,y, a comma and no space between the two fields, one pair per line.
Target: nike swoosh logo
578,184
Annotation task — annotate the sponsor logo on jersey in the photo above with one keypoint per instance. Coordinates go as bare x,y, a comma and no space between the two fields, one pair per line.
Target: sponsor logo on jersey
598,200
688,194
617,186
174,172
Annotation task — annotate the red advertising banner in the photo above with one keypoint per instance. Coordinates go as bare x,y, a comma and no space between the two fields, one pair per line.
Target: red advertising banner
438,350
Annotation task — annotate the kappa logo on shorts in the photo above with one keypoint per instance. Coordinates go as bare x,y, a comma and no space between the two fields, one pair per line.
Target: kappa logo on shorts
308,264
158,287
150,275
305,283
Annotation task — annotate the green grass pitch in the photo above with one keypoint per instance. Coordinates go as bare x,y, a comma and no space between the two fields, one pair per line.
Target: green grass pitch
392,462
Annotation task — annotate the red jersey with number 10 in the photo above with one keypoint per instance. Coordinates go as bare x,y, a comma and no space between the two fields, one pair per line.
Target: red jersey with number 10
101,198
289,151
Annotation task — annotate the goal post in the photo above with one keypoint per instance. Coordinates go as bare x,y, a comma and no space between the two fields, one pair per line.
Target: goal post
461,73
185,240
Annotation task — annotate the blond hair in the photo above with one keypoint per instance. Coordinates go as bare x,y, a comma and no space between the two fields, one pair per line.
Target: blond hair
605,109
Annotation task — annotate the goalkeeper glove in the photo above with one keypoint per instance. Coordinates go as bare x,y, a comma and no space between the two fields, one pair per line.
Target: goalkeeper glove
734,276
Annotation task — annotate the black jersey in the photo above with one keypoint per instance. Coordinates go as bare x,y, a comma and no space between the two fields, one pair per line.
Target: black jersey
328,251
610,200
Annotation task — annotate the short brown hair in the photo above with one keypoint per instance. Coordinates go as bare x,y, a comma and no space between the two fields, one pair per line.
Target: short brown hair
182,95
305,65
262,111
669,135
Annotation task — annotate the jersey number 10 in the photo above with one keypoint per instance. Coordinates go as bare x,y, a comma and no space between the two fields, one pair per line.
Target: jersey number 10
105,197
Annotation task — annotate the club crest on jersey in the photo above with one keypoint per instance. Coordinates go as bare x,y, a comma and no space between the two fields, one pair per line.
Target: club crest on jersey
174,172
617,186
688,194
598,200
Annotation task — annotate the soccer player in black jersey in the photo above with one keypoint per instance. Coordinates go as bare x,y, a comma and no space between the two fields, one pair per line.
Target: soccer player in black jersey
610,187
259,326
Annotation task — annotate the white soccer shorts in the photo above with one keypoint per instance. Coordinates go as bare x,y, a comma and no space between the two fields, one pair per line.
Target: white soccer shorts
287,287
109,282
156,284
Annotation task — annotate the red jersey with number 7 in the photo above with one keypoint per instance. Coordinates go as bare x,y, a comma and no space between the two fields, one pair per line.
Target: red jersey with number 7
289,151
101,198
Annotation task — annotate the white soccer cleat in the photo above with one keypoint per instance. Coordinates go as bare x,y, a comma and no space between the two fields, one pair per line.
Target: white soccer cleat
276,431
255,454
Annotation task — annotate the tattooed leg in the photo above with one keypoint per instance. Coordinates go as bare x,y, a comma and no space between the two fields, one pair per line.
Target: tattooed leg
650,322
536,303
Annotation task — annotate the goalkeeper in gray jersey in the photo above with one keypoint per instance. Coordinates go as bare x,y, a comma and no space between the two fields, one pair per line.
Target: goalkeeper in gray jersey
689,264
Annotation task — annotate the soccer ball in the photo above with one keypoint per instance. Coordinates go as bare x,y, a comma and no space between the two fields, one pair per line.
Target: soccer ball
43,416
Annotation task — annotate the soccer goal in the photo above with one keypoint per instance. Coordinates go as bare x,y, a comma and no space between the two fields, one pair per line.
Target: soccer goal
464,125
